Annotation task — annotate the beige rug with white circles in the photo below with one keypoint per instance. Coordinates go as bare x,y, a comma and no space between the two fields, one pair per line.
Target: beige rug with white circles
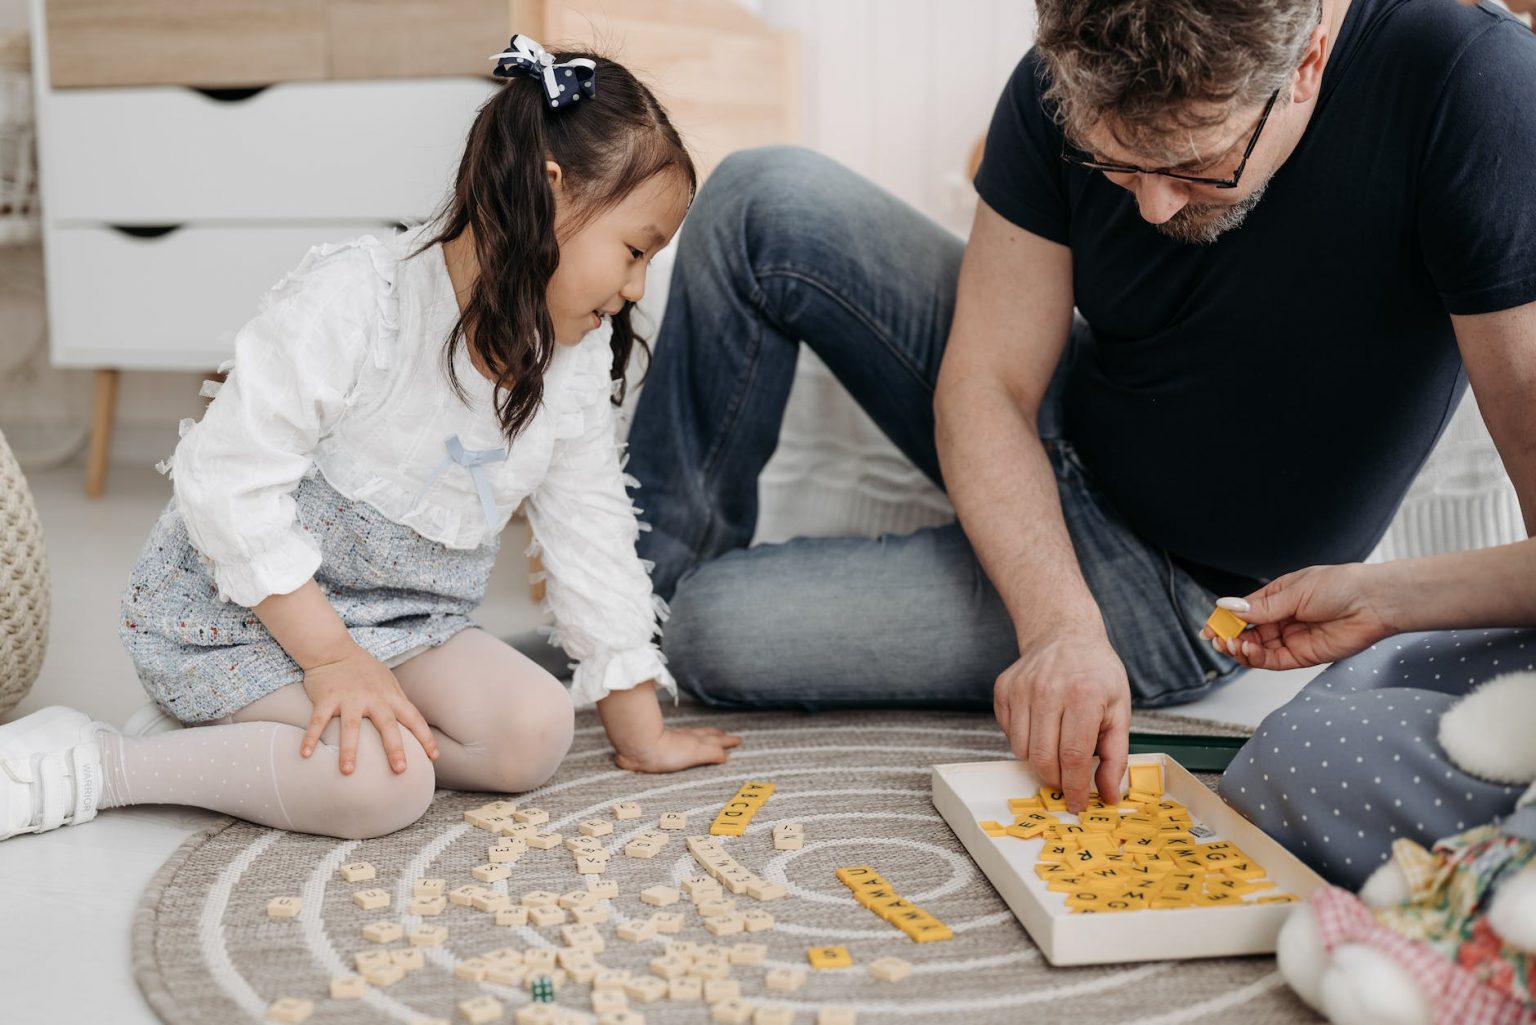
206,952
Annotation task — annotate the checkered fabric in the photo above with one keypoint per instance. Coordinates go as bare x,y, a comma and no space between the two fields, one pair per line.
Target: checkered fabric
1460,998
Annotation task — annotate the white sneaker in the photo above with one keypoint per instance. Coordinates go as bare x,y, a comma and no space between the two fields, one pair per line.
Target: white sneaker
50,770
150,720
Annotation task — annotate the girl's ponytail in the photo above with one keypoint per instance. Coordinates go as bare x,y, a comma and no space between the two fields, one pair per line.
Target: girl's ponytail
610,142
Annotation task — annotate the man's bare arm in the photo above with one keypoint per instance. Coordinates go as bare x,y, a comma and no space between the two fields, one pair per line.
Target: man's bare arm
1067,696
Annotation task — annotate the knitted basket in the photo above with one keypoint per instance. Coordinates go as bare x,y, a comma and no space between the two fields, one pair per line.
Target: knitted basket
24,590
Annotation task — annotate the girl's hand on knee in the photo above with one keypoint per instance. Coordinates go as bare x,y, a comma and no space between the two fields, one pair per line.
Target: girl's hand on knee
355,687
1315,615
679,749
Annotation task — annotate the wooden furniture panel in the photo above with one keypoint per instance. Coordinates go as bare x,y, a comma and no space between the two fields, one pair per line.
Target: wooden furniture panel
415,38
728,80
213,43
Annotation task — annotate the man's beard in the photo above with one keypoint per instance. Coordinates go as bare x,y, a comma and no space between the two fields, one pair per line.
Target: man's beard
1203,223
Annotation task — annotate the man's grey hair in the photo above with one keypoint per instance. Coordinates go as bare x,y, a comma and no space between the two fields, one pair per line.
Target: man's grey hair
1150,69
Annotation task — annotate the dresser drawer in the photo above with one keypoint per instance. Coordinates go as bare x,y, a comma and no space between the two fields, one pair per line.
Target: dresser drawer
169,302
315,151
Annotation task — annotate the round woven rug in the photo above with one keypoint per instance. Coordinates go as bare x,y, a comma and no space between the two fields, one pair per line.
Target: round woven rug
206,952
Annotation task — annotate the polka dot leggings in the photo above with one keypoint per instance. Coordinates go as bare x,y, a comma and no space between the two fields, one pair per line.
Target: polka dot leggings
1354,761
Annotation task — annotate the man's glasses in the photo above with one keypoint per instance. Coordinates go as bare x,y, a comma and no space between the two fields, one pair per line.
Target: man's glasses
1081,159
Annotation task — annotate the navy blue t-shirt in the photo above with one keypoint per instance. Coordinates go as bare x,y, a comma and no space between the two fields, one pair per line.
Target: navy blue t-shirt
1262,403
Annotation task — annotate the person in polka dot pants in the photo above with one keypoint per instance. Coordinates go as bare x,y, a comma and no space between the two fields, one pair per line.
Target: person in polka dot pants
1355,761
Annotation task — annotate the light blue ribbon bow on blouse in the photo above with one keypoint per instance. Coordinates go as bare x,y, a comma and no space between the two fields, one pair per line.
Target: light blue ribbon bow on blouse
475,462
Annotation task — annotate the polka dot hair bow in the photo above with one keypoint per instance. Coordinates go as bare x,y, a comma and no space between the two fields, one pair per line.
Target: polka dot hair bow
563,83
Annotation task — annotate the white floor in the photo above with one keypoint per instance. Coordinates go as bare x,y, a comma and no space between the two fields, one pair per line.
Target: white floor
67,897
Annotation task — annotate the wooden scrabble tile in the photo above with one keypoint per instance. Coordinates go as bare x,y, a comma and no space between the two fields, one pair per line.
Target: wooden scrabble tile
543,917
626,810
531,816
386,974
541,959
610,979
718,990
762,889
358,871
733,1011
284,907
602,889
737,879
371,899
408,959
471,969
461,896
506,852
291,1010
540,899
646,989
716,907
573,899
932,931
1225,625
592,915
669,966
514,915
642,849
506,974
1146,778
750,954
591,864
348,987
700,888
584,936
537,1014
673,821
491,872
428,888
606,1000
685,949
890,969
659,896
427,936
636,931
725,925
784,980
685,989
668,923
837,1016
621,1018
366,959
544,841
489,900
829,957
756,920
382,932
480,1010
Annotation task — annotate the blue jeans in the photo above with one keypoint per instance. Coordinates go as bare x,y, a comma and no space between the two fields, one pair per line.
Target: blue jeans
783,246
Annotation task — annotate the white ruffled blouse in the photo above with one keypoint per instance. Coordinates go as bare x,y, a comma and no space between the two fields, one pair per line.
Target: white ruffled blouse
342,370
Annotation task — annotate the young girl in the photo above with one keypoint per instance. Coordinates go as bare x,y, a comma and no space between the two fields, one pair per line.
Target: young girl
338,508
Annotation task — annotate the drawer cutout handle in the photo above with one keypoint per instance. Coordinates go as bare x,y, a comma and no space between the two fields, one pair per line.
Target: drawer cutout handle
145,230
231,95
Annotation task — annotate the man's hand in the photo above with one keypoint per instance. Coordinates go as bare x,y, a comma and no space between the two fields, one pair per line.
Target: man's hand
1062,702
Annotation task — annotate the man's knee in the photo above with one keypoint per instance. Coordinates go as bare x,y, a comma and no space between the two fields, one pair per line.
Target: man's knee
711,642
764,188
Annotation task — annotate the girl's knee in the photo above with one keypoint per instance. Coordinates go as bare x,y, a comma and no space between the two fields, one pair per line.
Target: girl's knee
530,736
375,800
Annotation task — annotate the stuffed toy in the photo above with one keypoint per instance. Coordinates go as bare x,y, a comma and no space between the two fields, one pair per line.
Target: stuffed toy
1444,936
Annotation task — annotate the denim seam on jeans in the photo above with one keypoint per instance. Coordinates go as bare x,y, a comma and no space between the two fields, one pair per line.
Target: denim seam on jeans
807,278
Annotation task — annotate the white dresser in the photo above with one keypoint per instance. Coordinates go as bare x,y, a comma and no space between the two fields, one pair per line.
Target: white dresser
169,210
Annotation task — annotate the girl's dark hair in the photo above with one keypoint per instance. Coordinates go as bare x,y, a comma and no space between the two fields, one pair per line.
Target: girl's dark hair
606,146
